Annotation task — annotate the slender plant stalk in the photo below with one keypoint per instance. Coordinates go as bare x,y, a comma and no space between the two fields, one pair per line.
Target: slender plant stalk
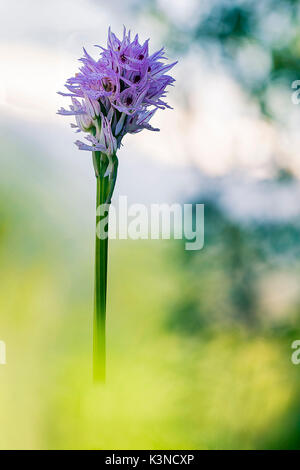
123,101
105,186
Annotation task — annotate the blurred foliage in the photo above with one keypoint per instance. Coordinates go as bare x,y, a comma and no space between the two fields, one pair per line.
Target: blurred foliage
258,42
224,283
213,387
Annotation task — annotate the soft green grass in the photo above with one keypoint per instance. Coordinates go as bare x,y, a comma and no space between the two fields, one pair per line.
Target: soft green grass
229,390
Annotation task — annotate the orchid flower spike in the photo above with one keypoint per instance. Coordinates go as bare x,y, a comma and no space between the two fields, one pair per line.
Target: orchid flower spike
118,93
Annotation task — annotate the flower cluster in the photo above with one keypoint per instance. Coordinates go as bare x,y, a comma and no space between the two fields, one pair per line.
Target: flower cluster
118,93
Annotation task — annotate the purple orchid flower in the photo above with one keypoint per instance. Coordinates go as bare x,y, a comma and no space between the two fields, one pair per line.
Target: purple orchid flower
111,96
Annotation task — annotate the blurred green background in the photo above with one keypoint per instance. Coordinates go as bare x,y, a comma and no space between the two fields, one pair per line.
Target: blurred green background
199,343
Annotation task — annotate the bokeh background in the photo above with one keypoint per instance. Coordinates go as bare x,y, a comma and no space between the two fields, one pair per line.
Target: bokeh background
199,343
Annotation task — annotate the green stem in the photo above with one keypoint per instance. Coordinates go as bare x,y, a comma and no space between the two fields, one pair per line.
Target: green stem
105,185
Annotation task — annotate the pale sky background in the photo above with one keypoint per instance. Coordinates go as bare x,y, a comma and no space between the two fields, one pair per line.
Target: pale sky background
214,126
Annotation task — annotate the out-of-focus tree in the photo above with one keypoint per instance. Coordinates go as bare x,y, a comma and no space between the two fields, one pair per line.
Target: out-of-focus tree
222,284
259,42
